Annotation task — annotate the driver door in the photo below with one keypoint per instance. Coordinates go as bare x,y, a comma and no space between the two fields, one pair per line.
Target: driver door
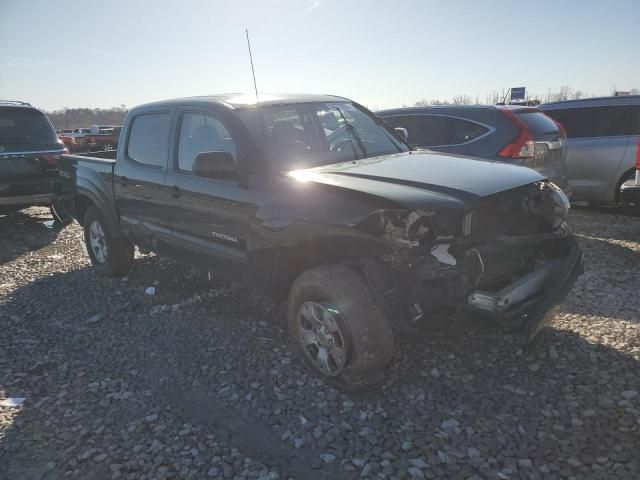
209,216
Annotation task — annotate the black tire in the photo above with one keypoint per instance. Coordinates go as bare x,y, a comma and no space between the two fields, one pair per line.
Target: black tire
119,252
368,338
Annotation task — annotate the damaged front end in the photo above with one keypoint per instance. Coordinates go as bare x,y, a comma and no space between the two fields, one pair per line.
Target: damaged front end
510,257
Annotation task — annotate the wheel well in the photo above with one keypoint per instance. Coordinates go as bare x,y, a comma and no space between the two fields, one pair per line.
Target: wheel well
82,205
625,176
275,270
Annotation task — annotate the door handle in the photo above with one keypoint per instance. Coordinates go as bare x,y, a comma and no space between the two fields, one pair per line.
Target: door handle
175,192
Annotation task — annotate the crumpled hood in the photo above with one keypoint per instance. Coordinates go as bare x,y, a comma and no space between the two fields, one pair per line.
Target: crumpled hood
418,178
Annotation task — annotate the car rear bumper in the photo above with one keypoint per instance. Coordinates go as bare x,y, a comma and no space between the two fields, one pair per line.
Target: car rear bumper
526,302
27,200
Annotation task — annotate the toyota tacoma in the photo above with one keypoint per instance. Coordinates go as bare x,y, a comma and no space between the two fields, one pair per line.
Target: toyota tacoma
315,201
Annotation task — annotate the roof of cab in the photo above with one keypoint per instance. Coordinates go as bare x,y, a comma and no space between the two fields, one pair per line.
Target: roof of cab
242,100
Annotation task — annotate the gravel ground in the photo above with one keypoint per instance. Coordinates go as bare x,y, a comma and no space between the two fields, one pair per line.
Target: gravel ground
196,381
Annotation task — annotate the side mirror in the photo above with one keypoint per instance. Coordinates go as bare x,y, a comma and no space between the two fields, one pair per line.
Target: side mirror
214,165
403,133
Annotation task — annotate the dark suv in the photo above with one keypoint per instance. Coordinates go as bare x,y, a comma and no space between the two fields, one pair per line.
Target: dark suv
29,153
521,135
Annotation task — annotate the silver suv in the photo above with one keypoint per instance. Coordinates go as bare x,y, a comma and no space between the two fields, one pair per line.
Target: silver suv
603,144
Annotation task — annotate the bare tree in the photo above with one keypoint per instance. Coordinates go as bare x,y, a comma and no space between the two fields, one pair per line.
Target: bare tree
462,100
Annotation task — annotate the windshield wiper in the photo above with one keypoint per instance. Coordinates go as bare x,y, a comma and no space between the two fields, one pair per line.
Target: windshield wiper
355,136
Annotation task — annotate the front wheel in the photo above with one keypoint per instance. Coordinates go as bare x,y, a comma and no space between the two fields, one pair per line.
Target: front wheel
337,329
109,255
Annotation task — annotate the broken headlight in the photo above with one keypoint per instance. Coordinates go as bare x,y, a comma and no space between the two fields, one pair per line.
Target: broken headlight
561,205
552,206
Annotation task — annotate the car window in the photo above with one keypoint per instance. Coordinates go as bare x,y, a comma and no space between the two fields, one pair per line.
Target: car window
594,121
200,132
423,130
149,139
463,131
306,135
539,124
25,126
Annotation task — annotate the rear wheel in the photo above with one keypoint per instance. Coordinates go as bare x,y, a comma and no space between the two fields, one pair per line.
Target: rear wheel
337,329
109,255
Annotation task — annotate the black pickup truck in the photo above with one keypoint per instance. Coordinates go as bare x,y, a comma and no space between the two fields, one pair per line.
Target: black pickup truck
315,200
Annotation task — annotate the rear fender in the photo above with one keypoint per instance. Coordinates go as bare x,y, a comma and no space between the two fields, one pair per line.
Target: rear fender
89,193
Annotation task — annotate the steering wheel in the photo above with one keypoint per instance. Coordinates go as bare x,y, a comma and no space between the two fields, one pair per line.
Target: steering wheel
341,144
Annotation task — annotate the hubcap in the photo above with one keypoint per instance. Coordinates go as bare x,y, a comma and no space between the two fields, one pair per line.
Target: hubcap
321,337
98,242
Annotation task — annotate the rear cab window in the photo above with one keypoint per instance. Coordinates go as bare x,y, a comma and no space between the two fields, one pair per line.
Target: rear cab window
149,139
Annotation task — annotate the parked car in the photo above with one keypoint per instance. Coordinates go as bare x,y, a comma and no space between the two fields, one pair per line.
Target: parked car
315,200
29,153
521,135
107,139
69,142
603,144
80,132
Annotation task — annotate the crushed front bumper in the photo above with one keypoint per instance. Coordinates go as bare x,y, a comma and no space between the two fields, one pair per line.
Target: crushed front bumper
526,302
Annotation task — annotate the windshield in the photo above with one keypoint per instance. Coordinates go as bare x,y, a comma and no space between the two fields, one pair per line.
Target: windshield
310,135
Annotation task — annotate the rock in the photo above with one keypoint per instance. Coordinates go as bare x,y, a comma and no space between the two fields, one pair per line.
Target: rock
415,472
449,424
418,462
151,291
525,463
629,394
473,452
96,318
407,445
328,457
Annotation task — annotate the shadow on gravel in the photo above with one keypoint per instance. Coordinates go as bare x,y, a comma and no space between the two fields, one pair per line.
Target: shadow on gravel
21,233
115,377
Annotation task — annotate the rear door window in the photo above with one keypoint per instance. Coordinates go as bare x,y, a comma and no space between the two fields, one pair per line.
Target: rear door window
149,139
424,130
463,131
595,121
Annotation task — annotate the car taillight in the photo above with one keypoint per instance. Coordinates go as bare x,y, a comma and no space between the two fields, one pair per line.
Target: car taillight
51,159
522,146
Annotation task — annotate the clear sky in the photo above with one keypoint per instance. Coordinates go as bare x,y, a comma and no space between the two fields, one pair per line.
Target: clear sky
381,53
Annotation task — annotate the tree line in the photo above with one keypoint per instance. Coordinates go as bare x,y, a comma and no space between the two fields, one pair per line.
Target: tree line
497,96
85,117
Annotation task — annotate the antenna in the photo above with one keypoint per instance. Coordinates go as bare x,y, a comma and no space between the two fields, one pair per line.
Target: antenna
253,72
